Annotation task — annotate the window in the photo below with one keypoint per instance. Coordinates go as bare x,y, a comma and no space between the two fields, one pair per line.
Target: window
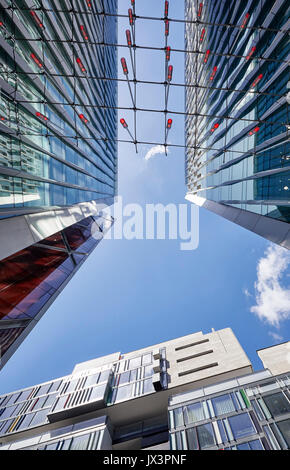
277,404
178,417
104,376
39,418
134,363
123,393
205,435
193,413
241,425
44,389
80,442
124,377
252,445
148,386
284,428
146,359
223,405
192,439
92,379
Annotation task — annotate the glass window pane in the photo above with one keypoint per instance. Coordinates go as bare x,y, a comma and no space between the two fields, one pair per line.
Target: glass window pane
124,392
244,446
55,386
284,428
26,421
192,439
178,417
134,363
80,442
223,405
148,371
133,375
104,376
52,446
39,418
256,445
146,359
148,386
277,404
206,436
222,431
241,425
98,392
92,379
124,378
193,413
44,389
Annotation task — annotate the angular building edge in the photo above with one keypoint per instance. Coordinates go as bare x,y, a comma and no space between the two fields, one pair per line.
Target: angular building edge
273,230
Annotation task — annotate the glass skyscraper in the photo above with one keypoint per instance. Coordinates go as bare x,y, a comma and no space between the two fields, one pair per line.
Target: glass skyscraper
237,128
58,167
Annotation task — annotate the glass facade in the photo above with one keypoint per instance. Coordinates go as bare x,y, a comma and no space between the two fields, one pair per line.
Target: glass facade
237,130
57,117
58,129
32,277
249,418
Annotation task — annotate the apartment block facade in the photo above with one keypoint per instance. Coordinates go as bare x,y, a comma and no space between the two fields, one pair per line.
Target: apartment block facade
58,160
119,401
237,100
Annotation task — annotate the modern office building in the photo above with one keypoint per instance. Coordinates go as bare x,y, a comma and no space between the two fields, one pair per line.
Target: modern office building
246,413
58,164
120,401
237,100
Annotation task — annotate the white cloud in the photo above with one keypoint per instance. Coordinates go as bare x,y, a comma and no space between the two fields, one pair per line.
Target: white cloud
158,149
247,293
272,299
275,336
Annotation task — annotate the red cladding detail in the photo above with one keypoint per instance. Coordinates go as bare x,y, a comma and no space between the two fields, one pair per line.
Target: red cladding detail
216,125
166,8
169,123
166,27
38,63
206,56
128,35
202,35
83,31
82,117
200,10
37,19
80,64
245,20
131,18
213,72
254,131
255,82
168,49
123,122
38,114
170,71
251,53
124,66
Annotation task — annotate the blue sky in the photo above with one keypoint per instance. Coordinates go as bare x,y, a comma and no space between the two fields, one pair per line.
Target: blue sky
130,294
